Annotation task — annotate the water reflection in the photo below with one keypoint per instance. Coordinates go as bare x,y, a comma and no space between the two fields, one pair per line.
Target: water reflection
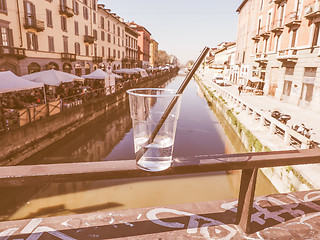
110,138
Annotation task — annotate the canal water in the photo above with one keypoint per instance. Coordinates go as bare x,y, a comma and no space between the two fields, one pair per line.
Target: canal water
199,132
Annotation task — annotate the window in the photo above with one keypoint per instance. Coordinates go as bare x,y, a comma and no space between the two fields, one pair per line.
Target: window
30,12
51,43
281,16
109,37
94,5
114,53
76,28
75,7
64,23
294,37
298,8
102,22
119,54
315,39
6,37
108,25
49,18
261,5
95,34
77,48
102,51
87,50
3,6
114,40
259,26
65,44
85,2
94,16
109,52
86,30
102,36
119,31
32,41
308,83
114,28
85,13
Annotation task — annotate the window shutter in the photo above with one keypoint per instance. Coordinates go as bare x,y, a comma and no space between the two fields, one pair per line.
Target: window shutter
35,39
28,41
25,10
10,35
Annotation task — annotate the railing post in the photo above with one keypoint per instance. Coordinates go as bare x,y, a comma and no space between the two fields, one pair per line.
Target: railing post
287,137
246,196
262,121
272,128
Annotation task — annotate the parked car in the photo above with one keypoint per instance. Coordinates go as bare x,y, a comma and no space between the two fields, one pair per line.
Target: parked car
219,80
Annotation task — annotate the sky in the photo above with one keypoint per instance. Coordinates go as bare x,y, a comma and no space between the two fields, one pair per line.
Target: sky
182,27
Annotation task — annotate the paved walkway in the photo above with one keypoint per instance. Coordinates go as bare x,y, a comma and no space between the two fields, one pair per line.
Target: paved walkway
309,118
298,115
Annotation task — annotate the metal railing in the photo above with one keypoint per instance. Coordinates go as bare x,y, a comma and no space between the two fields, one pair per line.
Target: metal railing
249,163
289,136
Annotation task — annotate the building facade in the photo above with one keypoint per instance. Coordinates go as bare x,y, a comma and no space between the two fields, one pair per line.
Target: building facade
75,36
143,44
154,53
131,60
284,48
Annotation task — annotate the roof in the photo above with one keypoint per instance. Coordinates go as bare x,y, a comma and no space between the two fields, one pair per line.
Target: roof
241,5
137,27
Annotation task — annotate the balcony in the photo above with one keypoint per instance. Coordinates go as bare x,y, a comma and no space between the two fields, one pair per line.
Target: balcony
96,59
64,10
88,39
261,58
265,34
33,23
294,22
312,11
279,1
288,55
110,59
68,57
277,30
18,53
256,38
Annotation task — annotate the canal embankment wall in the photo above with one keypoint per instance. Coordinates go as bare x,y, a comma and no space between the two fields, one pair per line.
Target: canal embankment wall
24,141
259,132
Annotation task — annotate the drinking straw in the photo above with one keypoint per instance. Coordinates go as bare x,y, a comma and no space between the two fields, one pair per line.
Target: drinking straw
166,113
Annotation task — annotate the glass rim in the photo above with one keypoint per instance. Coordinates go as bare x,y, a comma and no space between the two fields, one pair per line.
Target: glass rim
171,92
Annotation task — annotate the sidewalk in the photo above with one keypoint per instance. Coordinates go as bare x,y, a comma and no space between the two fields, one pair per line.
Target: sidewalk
309,118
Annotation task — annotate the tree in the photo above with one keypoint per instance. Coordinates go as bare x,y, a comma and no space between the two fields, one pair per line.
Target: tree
164,58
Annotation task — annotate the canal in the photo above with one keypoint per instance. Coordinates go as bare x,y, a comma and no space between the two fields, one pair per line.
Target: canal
199,133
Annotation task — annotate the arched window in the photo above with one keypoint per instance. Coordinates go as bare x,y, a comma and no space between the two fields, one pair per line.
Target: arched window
52,65
67,67
33,67
7,66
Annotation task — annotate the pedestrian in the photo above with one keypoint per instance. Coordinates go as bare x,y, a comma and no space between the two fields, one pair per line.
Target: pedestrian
240,89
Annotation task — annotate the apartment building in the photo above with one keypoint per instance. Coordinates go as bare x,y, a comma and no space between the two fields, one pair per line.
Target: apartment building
143,44
131,60
282,40
75,36
154,53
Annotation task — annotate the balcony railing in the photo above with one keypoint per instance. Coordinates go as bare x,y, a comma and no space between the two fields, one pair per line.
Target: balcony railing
96,59
33,23
12,52
110,59
68,57
261,58
65,10
288,55
88,39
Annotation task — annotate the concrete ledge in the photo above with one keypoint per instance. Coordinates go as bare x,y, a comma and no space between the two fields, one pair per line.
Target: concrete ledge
292,216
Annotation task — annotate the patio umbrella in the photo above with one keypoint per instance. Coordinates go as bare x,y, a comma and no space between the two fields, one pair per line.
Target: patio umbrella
51,77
